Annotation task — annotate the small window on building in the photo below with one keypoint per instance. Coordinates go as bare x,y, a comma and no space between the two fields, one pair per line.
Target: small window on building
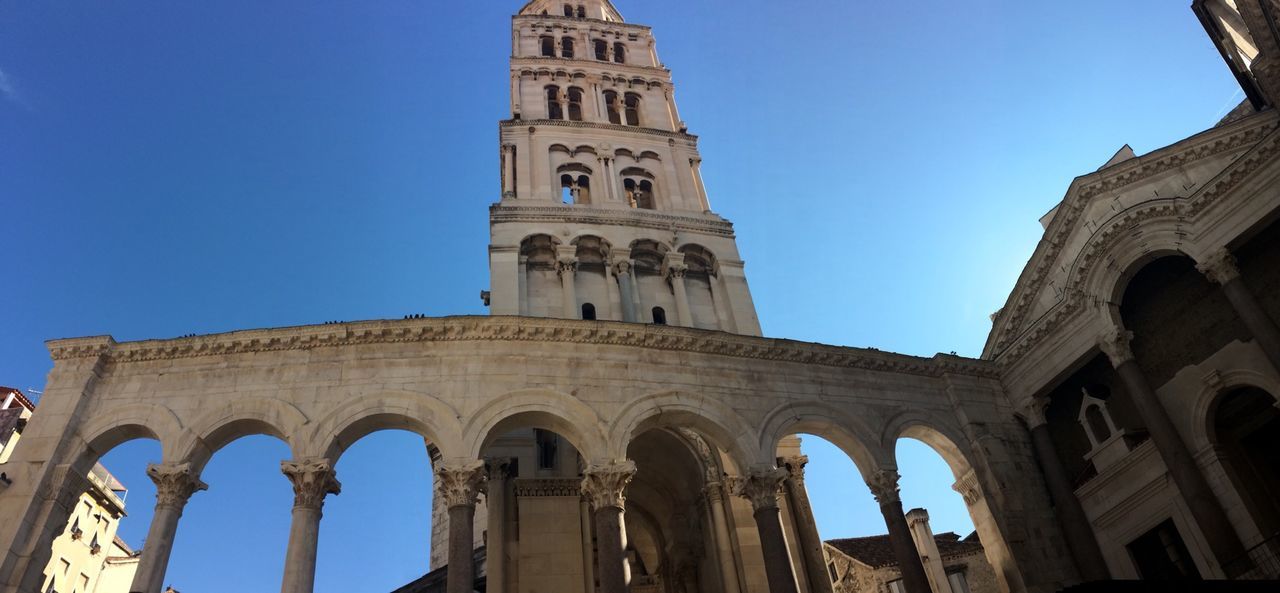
554,111
575,104
548,445
611,105
568,10
620,53
588,312
582,11
633,109
659,316
566,47
958,582
601,50
548,47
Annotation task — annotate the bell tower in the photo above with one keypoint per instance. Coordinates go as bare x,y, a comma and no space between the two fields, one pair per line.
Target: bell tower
603,213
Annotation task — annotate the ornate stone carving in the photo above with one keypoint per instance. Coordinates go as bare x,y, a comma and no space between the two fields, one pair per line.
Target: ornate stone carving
174,483
1116,344
622,268
497,468
714,492
884,486
566,265
460,485
539,487
677,271
794,466
761,487
969,488
605,485
1220,267
1033,412
312,479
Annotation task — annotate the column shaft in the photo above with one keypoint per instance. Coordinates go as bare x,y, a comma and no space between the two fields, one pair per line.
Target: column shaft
1075,525
300,559
496,542
626,295
1255,318
914,579
149,577
773,545
570,293
462,571
724,543
611,571
815,559
1210,518
682,299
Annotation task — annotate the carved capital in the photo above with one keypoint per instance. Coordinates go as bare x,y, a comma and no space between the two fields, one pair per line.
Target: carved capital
460,485
1220,267
761,487
714,492
497,468
794,466
884,486
174,483
622,268
1116,345
566,265
312,479
968,487
605,485
508,148
677,271
1033,412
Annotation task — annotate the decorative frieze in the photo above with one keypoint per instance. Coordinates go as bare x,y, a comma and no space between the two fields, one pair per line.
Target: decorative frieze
175,483
549,487
605,485
312,479
647,219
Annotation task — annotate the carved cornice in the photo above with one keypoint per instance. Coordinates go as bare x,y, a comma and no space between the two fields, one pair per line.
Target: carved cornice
519,329
504,213
605,486
588,64
174,484
542,487
564,123
1012,336
460,485
312,479
561,20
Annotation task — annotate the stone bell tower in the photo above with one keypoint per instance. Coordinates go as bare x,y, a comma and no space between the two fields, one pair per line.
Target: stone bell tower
603,212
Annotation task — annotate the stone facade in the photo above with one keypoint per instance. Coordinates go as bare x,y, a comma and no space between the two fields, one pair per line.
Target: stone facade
1124,396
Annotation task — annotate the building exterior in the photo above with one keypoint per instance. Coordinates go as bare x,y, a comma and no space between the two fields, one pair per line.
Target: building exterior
618,424
868,565
15,411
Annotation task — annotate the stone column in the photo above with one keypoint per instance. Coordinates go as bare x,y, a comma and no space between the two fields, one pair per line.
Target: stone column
1220,267
313,479
567,267
761,488
626,293
524,285
495,497
884,486
1205,508
724,542
1071,518
677,273
588,547
174,486
508,171
927,548
815,559
605,488
458,487
696,165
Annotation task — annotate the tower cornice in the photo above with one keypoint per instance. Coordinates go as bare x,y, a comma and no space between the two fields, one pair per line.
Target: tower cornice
710,224
561,19
561,123
588,65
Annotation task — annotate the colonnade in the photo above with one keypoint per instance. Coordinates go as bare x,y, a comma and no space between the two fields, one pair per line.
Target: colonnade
1207,511
459,486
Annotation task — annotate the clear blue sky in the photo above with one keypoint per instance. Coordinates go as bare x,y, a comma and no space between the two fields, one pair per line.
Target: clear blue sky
193,167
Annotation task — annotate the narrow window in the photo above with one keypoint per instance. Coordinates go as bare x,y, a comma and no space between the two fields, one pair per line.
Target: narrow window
620,53
633,109
588,312
644,195
548,47
567,189
553,103
659,316
566,47
568,10
547,443
584,190
582,11
602,50
575,104
611,103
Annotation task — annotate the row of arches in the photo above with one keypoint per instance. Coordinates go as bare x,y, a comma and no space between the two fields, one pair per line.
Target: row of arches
620,108
566,47
638,186
623,81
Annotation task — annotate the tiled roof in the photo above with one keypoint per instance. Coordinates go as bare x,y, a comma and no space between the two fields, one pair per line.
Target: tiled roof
19,396
876,552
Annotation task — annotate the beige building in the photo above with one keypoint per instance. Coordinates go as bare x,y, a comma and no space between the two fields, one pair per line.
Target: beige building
869,565
618,424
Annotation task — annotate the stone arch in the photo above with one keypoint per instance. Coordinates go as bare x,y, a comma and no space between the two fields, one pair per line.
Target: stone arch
706,416
1203,431
850,434
217,428
422,414
1113,255
930,430
547,409
121,424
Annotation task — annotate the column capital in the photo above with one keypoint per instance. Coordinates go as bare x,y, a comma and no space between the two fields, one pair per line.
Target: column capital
1116,344
175,483
714,492
1033,412
884,486
1219,266
497,468
969,488
567,265
460,485
312,480
794,465
622,268
761,487
605,485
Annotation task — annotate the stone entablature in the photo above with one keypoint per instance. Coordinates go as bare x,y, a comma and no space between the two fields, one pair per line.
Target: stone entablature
520,63
626,130
709,224
596,25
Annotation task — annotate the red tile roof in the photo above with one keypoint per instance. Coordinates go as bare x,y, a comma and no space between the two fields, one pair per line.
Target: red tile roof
876,552
20,397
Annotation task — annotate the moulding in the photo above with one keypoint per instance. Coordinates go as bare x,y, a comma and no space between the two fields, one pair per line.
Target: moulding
564,123
506,213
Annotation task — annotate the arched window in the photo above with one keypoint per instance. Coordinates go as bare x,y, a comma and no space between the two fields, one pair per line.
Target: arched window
602,49
633,109
620,53
553,103
611,104
639,191
575,189
575,104
582,11
659,316
568,10
566,47
588,312
548,46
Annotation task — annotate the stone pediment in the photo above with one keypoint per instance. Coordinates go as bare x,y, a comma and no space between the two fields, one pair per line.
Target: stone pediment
1178,182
